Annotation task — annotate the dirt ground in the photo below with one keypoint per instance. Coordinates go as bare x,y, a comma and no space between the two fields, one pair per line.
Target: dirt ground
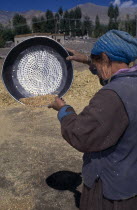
39,169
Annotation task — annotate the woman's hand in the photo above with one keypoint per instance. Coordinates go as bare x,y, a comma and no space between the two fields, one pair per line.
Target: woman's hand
79,57
57,104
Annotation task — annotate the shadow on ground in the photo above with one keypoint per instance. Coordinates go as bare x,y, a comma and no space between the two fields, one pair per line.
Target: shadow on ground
66,180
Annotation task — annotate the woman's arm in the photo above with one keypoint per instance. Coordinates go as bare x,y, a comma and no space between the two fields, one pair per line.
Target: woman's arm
99,126
79,57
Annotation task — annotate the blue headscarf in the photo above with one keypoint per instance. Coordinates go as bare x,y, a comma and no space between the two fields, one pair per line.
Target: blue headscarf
118,45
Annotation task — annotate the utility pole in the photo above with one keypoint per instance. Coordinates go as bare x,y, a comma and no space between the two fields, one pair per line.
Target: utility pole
55,25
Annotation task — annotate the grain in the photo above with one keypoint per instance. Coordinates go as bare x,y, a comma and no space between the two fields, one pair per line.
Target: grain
37,101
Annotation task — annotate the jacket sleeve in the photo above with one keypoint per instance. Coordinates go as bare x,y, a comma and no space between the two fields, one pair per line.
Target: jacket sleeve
98,126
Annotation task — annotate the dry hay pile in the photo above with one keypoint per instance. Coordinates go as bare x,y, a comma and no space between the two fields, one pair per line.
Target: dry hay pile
5,98
37,101
83,88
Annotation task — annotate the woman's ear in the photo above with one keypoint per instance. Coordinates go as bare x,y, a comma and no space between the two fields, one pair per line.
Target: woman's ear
106,68
105,58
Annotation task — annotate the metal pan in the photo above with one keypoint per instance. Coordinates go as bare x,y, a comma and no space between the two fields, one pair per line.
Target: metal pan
37,66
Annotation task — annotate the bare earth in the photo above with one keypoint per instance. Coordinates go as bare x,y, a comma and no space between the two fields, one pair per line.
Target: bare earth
39,169
31,150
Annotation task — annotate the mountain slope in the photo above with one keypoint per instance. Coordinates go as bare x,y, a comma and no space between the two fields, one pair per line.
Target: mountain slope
87,9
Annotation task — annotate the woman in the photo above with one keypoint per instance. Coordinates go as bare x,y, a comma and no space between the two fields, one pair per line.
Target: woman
106,130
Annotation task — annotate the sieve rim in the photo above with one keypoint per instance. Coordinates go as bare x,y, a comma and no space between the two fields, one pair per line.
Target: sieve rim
20,45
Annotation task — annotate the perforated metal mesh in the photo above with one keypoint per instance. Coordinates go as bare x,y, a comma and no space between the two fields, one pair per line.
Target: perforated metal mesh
39,70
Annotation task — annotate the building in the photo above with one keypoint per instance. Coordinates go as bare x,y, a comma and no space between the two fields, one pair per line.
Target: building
58,37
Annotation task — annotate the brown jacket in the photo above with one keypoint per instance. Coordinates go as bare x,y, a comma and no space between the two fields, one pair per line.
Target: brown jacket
98,126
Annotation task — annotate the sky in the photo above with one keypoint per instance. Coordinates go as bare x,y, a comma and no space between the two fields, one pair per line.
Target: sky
54,5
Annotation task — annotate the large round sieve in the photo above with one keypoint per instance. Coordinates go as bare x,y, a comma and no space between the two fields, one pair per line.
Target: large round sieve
37,66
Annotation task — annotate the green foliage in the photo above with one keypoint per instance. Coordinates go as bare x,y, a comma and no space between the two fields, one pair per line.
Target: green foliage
60,11
72,22
2,41
116,12
97,30
50,22
130,25
104,29
8,34
78,24
42,24
77,13
66,23
57,17
62,25
87,26
20,25
1,29
49,15
133,27
38,25
35,25
112,24
111,11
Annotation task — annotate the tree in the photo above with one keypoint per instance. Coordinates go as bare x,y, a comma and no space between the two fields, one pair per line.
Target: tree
78,15
121,25
35,25
103,29
112,24
38,25
87,26
127,24
2,41
60,11
20,25
130,25
43,24
133,27
1,28
116,13
97,30
113,13
8,34
72,22
57,22
66,23
50,22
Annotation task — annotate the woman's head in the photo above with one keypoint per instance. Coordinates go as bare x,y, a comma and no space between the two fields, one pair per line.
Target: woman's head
112,50
105,67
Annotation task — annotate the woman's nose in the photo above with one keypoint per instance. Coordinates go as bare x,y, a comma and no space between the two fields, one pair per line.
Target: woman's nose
93,69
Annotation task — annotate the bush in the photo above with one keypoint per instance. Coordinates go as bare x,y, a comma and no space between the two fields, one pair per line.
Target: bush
2,41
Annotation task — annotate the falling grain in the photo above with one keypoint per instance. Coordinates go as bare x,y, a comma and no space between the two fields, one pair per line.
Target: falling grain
37,101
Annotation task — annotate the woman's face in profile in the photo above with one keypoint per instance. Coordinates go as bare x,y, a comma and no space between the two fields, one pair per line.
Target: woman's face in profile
101,67
95,69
